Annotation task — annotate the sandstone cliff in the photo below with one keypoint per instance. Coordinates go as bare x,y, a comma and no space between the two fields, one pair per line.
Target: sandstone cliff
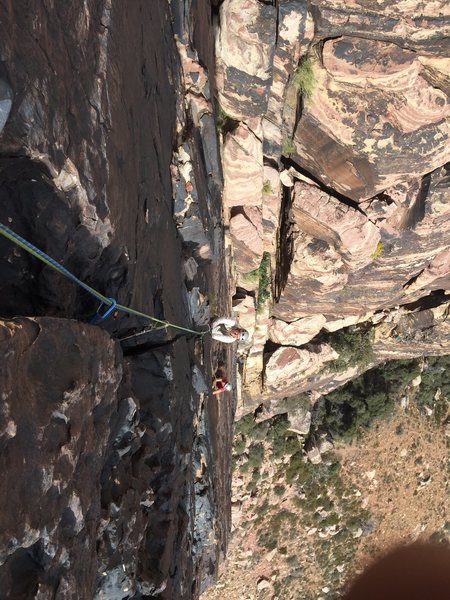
338,142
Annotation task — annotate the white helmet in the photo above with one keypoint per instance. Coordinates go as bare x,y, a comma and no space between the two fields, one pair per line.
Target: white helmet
244,335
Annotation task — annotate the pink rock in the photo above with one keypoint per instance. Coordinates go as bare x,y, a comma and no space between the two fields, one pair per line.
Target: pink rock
271,208
287,368
246,234
244,49
295,32
297,333
373,120
242,168
409,262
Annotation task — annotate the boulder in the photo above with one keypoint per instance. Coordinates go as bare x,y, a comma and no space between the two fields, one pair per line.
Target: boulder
325,445
373,120
263,584
245,44
246,234
297,333
314,456
288,368
300,421
242,168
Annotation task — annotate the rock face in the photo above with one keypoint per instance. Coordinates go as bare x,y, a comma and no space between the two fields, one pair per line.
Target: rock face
298,332
6,98
107,471
411,261
295,32
243,167
363,222
244,48
420,26
295,364
246,234
55,439
373,120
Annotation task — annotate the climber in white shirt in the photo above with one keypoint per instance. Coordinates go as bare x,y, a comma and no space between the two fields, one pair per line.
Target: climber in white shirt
226,330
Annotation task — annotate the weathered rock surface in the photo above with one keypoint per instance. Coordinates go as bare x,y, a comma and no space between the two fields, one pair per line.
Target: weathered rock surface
120,507
420,26
289,366
56,437
295,32
300,421
372,120
244,48
363,224
271,207
246,235
243,167
410,262
6,98
296,333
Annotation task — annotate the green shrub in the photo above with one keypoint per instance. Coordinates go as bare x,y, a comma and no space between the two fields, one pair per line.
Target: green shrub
246,426
304,79
264,281
297,468
240,443
244,467
263,508
288,147
267,187
222,120
279,490
378,250
354,349
435,376
353,407
255,456
294,403
251,276
268,539
277,429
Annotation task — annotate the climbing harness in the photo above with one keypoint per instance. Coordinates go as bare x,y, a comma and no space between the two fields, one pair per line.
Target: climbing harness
110,303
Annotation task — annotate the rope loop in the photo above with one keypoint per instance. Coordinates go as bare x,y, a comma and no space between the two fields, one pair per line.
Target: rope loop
99,317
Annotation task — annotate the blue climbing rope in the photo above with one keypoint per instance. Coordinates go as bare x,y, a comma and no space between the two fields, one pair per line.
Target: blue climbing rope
110,303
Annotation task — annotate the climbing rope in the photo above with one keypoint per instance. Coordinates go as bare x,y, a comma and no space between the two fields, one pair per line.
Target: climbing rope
110,303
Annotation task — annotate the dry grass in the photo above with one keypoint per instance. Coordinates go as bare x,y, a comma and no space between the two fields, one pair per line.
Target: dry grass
378,485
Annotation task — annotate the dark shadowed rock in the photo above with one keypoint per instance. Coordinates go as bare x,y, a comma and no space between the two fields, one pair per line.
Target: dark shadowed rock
57,378
6,98
85,173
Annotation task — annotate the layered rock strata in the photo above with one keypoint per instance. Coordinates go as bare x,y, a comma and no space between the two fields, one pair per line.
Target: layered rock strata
358,115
